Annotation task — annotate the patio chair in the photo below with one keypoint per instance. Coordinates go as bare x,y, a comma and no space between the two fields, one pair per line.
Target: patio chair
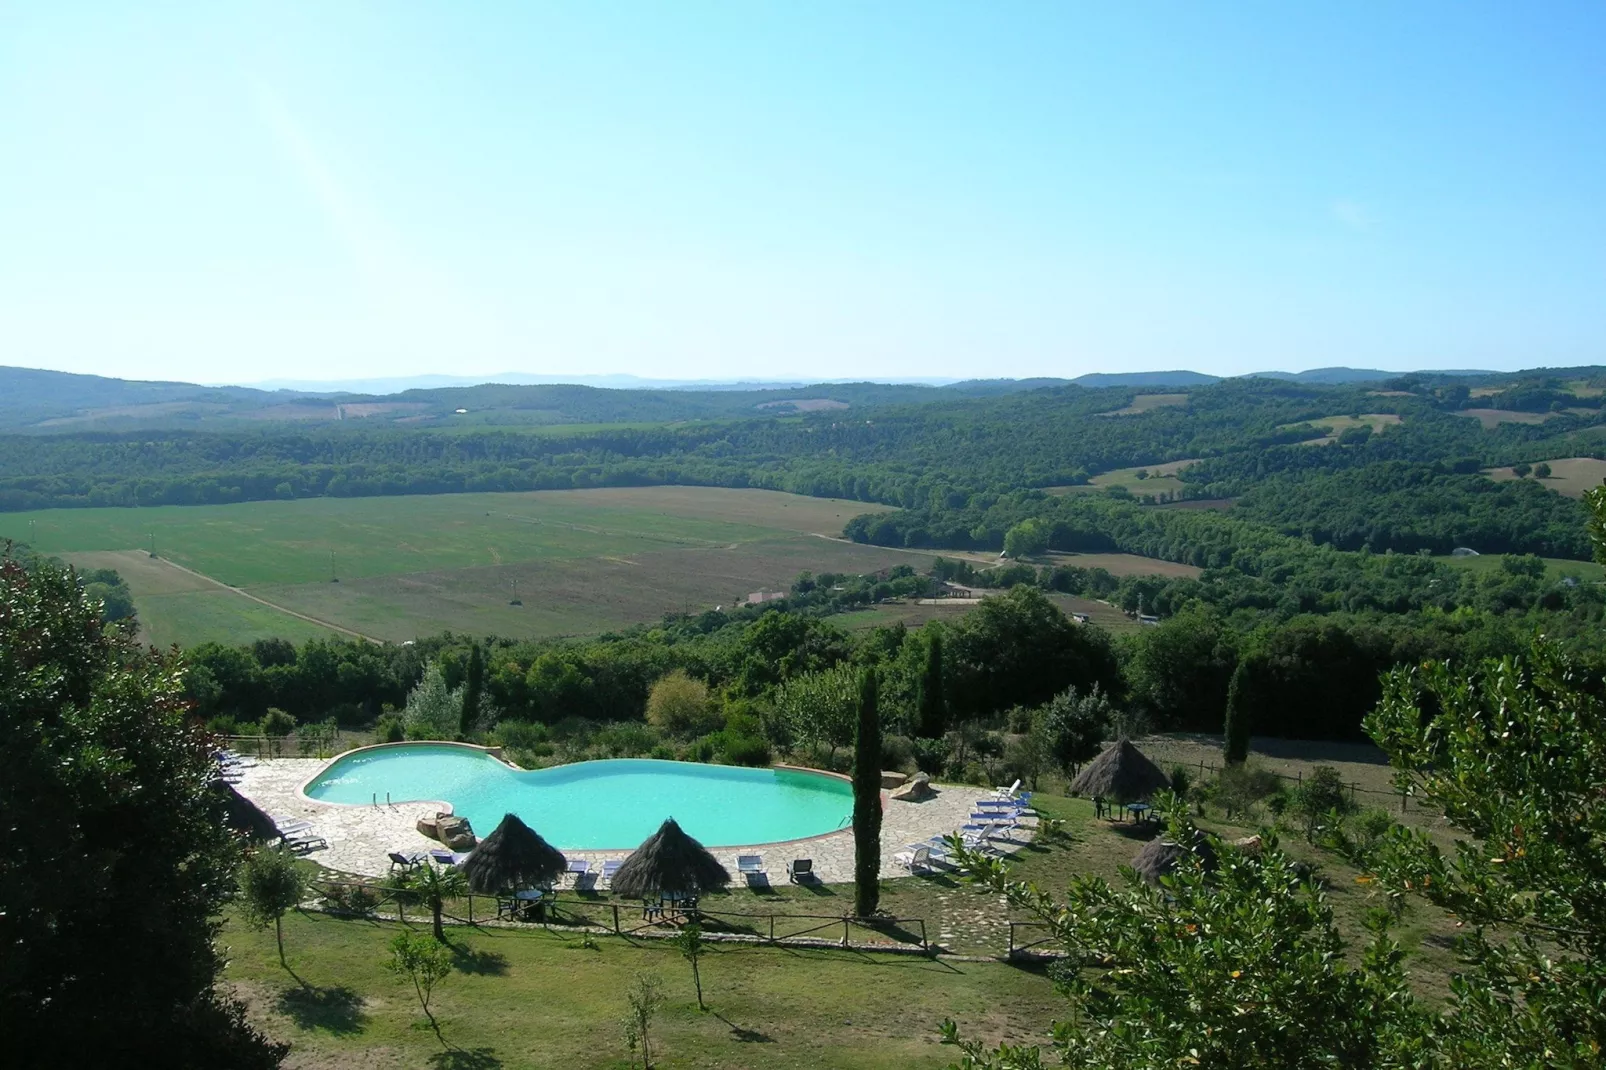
916,859
801,871
751,867
520,905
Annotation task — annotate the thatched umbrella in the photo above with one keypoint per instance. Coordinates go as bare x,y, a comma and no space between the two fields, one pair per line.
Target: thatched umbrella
243,815
1122,773
1159,857
669,861
512,857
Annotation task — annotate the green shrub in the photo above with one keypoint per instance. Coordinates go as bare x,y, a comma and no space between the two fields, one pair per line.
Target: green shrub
1181,780
702,750
277,724
897,752
744,750
1239,787
522,735
624,740
350,899
930,755
664,752
390,729
223,724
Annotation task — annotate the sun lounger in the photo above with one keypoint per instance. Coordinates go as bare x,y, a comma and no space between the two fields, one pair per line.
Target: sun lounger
303,842
289,826
752,868
447,858
1007,793
801,871
405,861
609,868
580,870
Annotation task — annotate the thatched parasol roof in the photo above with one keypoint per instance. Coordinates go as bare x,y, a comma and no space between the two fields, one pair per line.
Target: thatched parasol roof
669,861
1122,773
1160,857
243,815
511,858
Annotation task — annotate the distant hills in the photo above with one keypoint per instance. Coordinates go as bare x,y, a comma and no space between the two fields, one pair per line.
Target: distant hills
38,401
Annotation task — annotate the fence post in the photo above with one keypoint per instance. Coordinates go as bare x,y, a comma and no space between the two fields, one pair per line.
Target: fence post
772,928
471,908
616,929
845,923
1012,932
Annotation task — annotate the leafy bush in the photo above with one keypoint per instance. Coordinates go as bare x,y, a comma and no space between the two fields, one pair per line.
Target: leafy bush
897,752
1181,780
678,704
743,750
522,735
930,755
350,899
223,725
390,730
1238,787
624,740
276,723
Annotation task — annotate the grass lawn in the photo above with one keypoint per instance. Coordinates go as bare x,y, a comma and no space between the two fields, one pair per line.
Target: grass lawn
539,998
581,561
1158,479
1496,417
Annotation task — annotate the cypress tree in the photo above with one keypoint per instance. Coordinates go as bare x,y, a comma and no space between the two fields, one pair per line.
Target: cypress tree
473,688
930,708
1235,730
867,800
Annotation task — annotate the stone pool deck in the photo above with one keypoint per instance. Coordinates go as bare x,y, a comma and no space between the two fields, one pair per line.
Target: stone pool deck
361,837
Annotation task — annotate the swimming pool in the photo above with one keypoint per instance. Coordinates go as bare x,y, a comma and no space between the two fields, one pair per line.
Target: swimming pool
602,805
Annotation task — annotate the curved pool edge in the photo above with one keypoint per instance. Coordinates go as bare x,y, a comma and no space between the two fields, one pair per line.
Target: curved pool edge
495,753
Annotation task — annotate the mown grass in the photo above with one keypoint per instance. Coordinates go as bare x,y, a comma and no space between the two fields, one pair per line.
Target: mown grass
1555,567
539,998
1568,475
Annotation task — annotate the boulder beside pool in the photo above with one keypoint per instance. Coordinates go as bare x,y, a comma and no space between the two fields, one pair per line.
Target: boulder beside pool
428,826
890,779
456,833
918,789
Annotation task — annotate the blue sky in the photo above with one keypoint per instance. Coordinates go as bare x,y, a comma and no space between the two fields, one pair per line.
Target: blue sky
239,192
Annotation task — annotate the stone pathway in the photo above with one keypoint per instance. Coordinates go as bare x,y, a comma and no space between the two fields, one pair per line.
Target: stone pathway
360,837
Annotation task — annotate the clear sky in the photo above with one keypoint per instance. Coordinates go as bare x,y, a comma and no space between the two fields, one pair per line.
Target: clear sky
238,192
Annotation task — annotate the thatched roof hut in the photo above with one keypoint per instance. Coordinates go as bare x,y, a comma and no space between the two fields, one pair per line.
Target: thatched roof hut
513,857
1122,773
1159,857
243,815
669,861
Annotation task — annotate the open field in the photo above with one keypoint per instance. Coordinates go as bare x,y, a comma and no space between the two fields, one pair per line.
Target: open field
913,615
1337,425
1145,402
1555,567
583,561
1496,417
1125,564
1158,479
1569,475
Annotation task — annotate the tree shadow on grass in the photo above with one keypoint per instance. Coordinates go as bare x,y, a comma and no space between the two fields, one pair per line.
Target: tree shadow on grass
335,1009
466,1059
745,1036
478,961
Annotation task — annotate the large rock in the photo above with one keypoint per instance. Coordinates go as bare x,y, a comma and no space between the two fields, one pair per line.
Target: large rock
456,833
893,780
429,826
918,789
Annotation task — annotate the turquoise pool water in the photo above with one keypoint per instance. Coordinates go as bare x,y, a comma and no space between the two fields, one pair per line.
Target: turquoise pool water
597,805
